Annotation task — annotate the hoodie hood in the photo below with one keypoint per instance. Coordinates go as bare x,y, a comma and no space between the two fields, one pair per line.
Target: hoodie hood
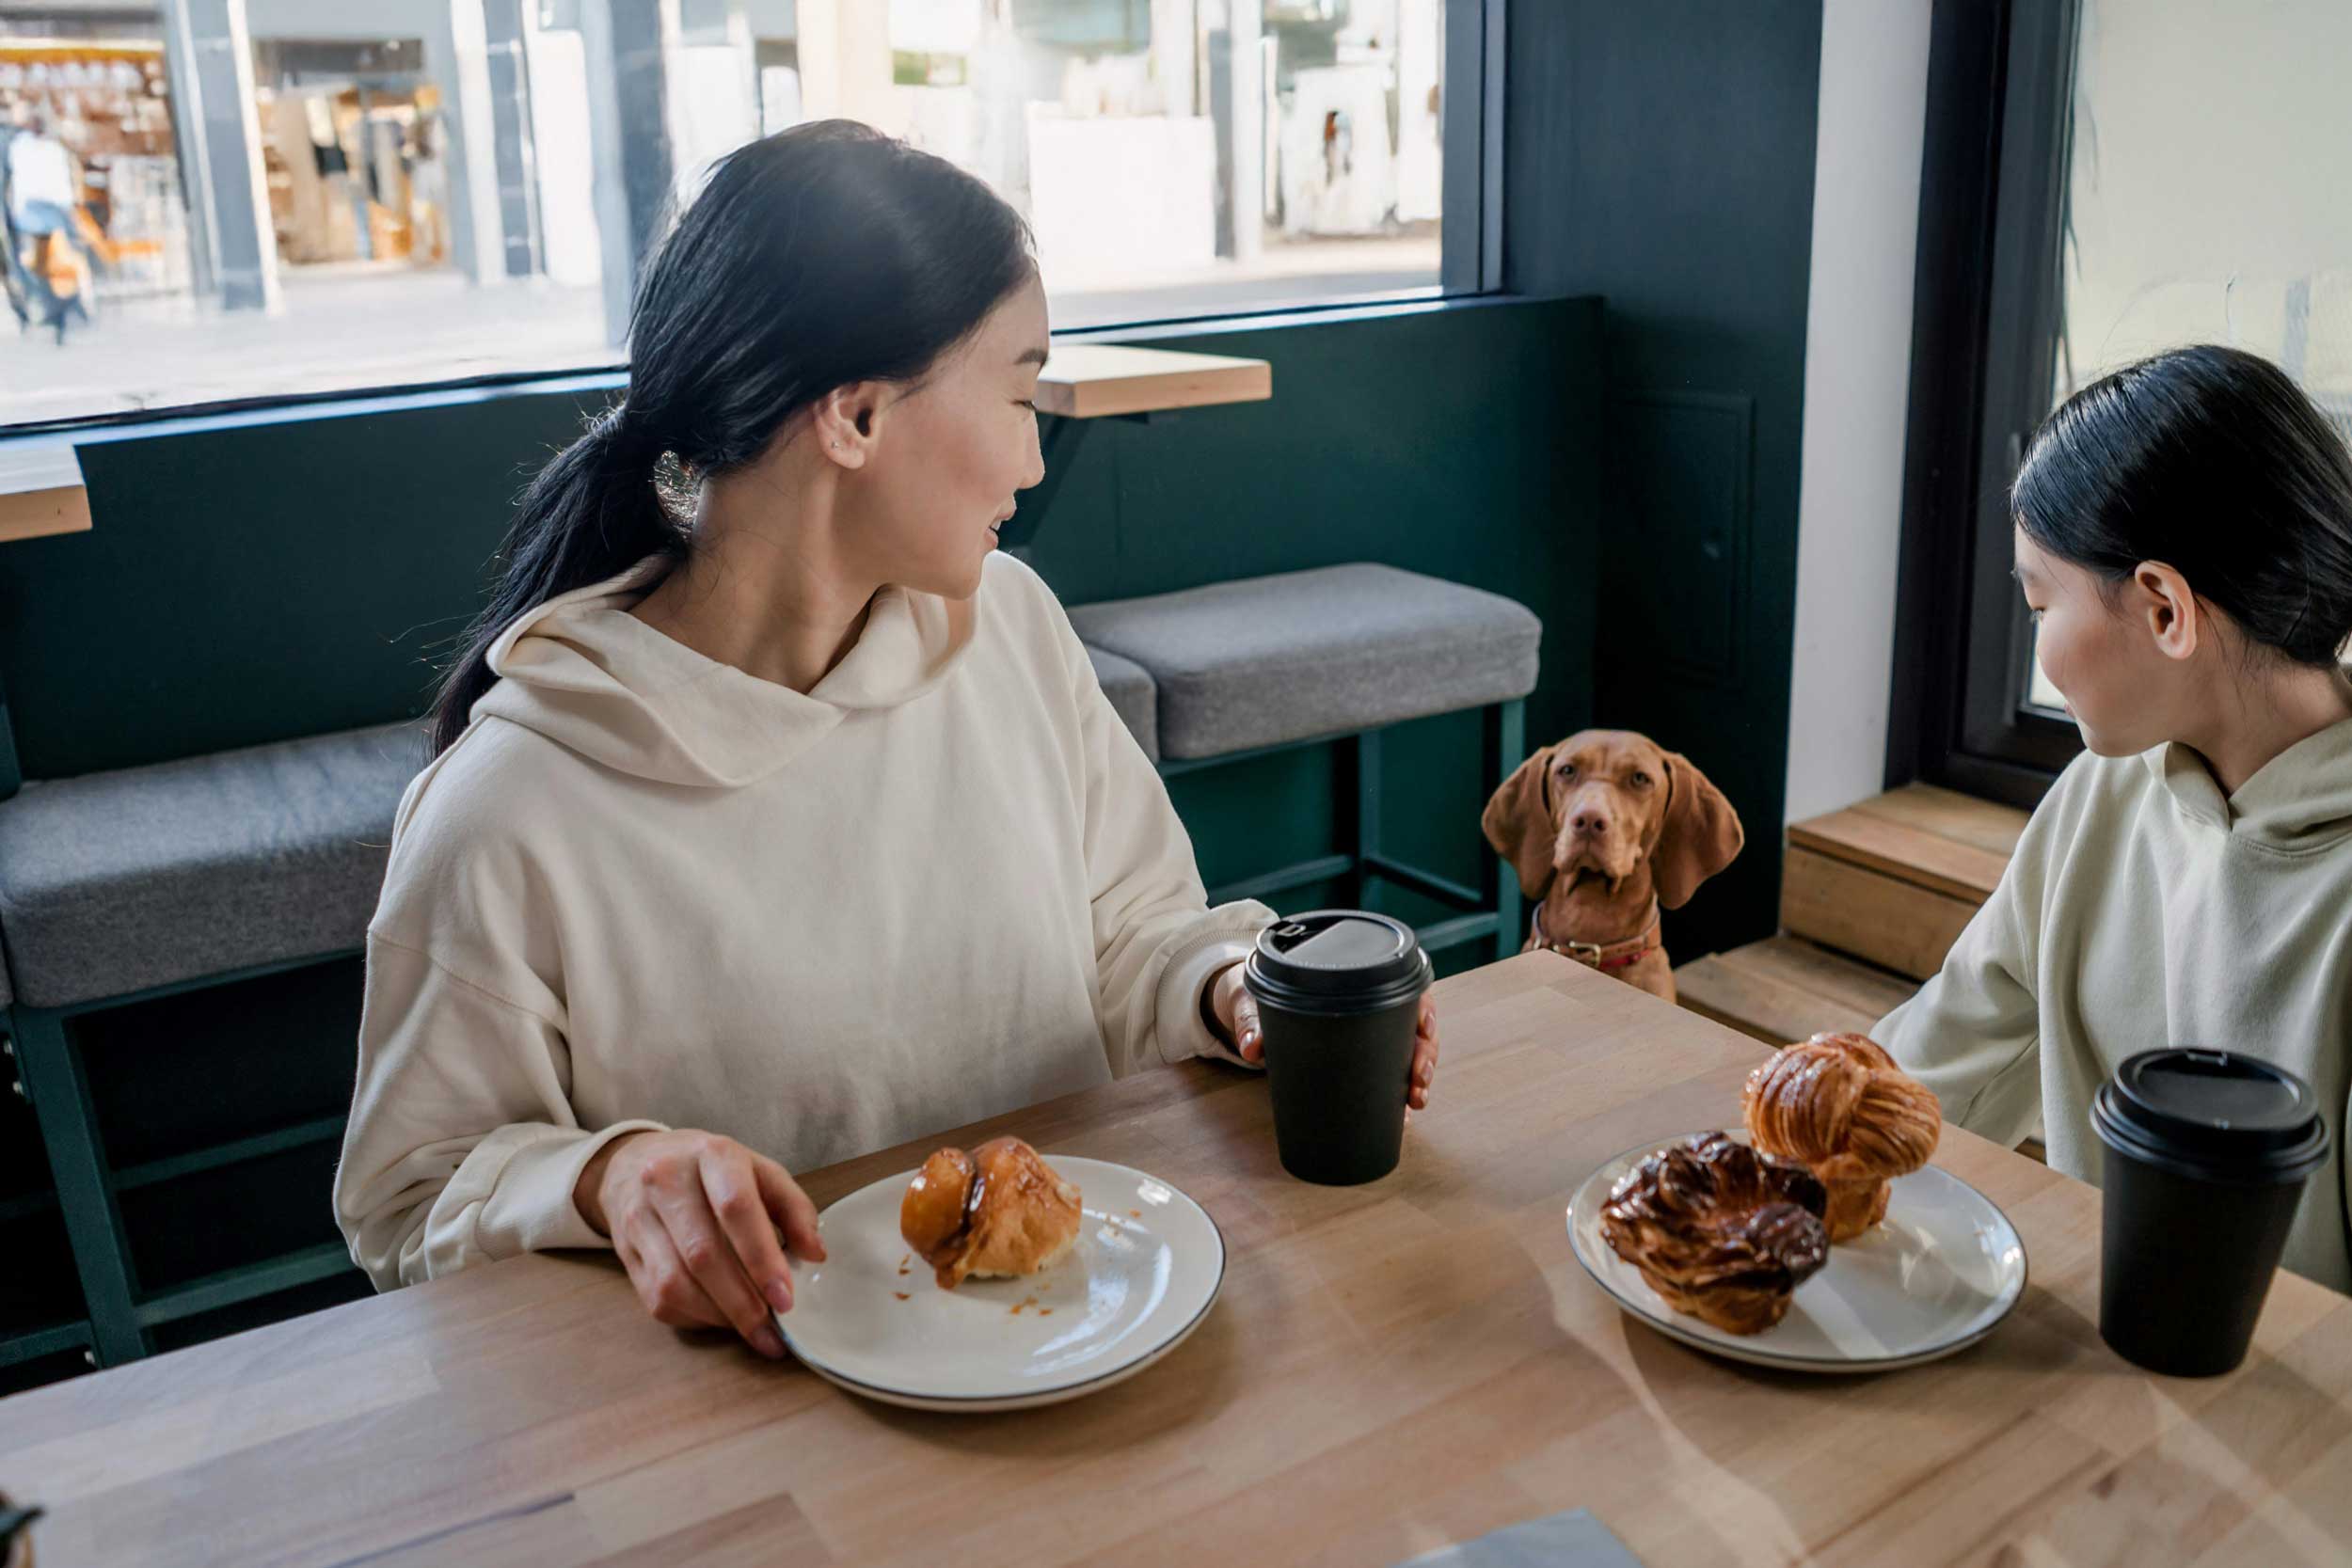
2300,800
590,676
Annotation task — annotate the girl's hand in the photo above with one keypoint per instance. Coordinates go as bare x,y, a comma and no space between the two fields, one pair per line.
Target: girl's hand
695,1218
1236,1014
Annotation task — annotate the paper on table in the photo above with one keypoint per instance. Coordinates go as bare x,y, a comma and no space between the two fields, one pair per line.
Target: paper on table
1571,1540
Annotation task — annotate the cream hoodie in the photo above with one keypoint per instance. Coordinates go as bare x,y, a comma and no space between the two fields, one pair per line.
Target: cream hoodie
646,888
2144,909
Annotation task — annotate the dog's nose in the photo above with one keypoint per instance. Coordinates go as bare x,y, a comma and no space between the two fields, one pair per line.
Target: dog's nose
1589,821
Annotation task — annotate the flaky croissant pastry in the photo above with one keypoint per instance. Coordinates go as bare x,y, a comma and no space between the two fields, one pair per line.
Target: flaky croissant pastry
994,1212
1719,1230
1840,1105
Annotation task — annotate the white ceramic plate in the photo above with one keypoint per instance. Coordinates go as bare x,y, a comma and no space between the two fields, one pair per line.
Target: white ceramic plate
872,1319
1934,1277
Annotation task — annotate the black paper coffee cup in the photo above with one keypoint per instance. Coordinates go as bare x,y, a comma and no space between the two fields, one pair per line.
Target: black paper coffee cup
1338,1003
2208,1153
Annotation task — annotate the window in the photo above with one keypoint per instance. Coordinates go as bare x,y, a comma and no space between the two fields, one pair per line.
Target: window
2136,178
287,198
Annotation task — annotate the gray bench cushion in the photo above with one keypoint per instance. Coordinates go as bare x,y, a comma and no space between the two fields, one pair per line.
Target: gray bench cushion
116,882
1133,697
1270,659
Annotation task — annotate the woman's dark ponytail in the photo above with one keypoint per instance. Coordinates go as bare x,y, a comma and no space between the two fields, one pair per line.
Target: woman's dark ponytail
2212,461
591,513
817,256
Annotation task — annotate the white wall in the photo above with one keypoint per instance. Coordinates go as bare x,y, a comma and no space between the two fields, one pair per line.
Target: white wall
1858,393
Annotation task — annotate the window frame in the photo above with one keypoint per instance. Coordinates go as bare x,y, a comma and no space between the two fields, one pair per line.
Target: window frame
1469,263
1988,303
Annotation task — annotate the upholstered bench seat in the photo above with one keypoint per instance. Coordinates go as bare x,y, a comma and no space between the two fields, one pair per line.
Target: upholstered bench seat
1269,660
1131,695
118,882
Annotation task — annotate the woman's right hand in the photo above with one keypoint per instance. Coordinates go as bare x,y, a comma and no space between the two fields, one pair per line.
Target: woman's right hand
695,1217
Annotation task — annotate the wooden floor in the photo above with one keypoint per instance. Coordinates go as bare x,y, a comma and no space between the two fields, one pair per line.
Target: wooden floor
1784,988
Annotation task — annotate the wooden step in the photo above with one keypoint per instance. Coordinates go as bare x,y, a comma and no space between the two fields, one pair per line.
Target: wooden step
1894,924
1783,989
1895,878
1931,838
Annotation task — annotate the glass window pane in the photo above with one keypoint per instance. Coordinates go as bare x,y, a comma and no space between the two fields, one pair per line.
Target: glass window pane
2212,151
1180,157
2212,146
416,208
2039,691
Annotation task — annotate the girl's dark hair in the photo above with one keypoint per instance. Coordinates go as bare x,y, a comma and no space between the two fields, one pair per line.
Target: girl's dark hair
820,256
2211,461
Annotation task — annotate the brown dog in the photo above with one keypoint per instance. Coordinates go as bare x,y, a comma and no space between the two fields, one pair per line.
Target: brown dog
1603,829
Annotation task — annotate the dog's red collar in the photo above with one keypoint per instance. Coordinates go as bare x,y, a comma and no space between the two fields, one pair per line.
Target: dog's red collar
1600,955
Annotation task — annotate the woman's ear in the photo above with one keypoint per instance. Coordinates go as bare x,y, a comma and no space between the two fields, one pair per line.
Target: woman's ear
1701,835
845,421
2172,613
1518,822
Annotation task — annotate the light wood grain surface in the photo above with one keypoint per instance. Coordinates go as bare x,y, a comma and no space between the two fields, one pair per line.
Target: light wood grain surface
1784,989
1930,837
1391,1368
1088,381
1889,921
41,489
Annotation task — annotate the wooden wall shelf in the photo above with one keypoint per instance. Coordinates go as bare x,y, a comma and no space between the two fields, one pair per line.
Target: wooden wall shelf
1093,381
40,490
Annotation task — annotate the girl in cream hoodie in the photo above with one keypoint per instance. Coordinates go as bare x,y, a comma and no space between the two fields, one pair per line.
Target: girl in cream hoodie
2184,535
785,827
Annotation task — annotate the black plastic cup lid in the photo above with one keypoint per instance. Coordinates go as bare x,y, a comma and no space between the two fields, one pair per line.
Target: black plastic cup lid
2218,1112
1338,960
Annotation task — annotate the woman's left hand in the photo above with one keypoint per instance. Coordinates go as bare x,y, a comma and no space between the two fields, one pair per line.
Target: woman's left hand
1236,1014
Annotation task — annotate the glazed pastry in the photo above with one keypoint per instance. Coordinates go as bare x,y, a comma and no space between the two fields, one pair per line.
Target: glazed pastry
1840,1105
1719,1230
997,1211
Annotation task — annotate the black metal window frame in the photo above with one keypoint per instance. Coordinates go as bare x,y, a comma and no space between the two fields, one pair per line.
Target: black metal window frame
1986,311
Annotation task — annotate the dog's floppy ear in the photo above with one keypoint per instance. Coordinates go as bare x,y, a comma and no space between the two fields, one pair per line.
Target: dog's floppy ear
1519,822
1701,835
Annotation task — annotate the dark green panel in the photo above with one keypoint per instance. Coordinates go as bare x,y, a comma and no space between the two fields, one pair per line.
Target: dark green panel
284,578
1662,155
200,1069
258,583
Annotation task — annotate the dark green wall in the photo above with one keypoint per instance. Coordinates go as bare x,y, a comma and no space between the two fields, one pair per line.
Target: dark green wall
1660,154
1463,443
278,578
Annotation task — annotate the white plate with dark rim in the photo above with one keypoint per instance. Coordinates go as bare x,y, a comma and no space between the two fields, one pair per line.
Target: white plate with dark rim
1938,1275
871,1317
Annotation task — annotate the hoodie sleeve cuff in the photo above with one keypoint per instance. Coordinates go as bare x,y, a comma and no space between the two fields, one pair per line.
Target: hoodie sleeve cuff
1184,1032
534,1192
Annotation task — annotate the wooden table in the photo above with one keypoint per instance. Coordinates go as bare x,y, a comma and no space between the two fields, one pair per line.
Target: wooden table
1391,1368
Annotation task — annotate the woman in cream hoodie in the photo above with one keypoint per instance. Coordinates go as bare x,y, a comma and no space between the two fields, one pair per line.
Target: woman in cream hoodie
786,825
2184,535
